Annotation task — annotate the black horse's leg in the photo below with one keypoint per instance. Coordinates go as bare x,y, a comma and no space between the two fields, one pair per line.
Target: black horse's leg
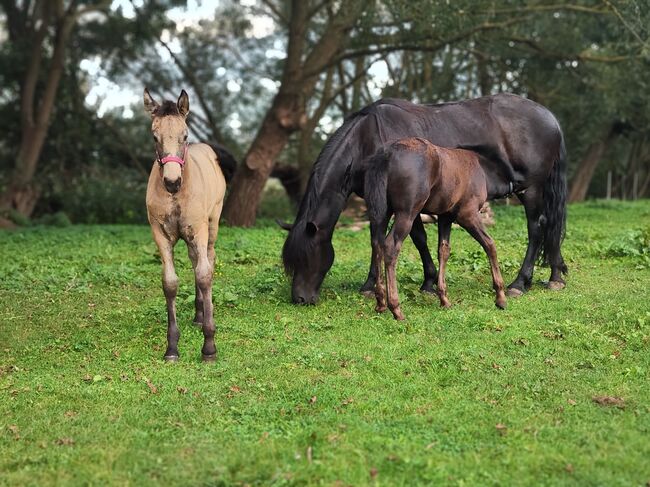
533,204
368,288
419,237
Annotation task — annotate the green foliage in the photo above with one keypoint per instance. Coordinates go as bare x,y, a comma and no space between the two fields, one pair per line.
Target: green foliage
327,394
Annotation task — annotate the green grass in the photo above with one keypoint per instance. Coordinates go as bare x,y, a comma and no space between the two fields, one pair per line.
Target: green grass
332,394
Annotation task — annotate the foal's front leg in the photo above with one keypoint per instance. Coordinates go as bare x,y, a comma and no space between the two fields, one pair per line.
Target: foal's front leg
198,298
444,249
472,223
203,275
170,288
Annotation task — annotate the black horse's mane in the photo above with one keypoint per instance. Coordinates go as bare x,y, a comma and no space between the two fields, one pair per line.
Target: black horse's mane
298,245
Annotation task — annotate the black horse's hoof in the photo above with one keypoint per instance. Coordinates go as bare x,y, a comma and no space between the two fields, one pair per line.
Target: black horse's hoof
556,285
513,292
367,293
428,288
209,358
170,358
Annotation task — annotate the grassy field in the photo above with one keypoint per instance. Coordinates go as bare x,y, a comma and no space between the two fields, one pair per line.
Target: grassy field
331,394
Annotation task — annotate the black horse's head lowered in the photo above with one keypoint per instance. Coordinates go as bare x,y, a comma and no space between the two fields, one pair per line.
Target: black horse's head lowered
522,148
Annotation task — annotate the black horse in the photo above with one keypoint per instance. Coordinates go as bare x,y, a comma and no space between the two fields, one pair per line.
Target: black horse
523,153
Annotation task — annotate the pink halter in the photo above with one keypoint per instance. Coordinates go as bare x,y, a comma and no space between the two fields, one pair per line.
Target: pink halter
171,158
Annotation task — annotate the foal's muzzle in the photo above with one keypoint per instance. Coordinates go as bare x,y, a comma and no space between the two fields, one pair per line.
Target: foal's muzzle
172,186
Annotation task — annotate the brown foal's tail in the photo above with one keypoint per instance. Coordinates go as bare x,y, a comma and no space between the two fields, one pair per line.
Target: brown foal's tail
555,200
375,186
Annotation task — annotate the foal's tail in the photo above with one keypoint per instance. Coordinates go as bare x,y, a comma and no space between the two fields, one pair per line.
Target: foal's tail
555,199
375,186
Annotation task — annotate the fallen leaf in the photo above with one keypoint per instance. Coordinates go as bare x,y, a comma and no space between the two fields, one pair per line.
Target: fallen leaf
572,402
610,401
65,441
310,453
87,378
15,430
373,473
569,468
502,429
182,390
312,400
70,414
235,389
152,387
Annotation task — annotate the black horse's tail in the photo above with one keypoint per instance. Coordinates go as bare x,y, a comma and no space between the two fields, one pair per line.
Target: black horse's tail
227,161
375,186
555,200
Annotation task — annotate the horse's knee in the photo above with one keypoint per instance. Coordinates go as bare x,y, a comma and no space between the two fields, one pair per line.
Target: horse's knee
170,285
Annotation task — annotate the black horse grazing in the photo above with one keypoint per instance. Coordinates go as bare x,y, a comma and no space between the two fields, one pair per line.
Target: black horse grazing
522,149
412,176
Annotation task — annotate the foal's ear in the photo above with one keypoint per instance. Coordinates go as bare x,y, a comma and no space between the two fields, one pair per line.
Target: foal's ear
183,104
311,228
150,105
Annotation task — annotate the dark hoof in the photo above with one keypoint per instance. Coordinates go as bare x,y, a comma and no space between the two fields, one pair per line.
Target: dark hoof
428,288
368,294
556,285
380,309
398,315
445,305
197,323
501,304
170,358
513,292
209,358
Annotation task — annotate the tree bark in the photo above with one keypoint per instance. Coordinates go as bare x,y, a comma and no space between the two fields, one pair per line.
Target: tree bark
288,112
583,176
21,194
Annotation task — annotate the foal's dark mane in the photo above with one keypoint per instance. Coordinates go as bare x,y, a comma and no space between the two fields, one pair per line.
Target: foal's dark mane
167,107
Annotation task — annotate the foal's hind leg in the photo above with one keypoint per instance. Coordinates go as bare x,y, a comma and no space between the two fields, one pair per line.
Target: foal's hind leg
392,246
377,238
471,221
170,288
533,204
419,236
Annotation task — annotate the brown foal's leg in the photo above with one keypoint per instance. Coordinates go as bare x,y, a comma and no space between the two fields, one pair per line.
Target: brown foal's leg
170,288
444,250
471,221
392,246
377,237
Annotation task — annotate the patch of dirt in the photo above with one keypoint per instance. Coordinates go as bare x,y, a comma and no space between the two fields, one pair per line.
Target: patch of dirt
609,401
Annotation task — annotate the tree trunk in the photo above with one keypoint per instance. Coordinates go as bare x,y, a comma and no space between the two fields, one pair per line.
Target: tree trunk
248,183
584,174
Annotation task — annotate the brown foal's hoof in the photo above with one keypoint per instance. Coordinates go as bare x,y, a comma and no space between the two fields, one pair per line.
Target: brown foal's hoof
380,309
209,358
556,285
170,358
501,304
398,315
513,292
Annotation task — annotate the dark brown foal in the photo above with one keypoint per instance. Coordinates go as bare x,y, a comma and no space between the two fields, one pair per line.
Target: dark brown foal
412,176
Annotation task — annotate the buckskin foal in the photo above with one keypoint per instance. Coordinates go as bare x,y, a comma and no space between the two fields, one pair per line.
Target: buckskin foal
184,201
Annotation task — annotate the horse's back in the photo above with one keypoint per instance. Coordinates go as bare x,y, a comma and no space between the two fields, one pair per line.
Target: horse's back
212,181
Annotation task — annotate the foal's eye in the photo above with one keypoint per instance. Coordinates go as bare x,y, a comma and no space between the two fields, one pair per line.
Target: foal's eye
185,138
